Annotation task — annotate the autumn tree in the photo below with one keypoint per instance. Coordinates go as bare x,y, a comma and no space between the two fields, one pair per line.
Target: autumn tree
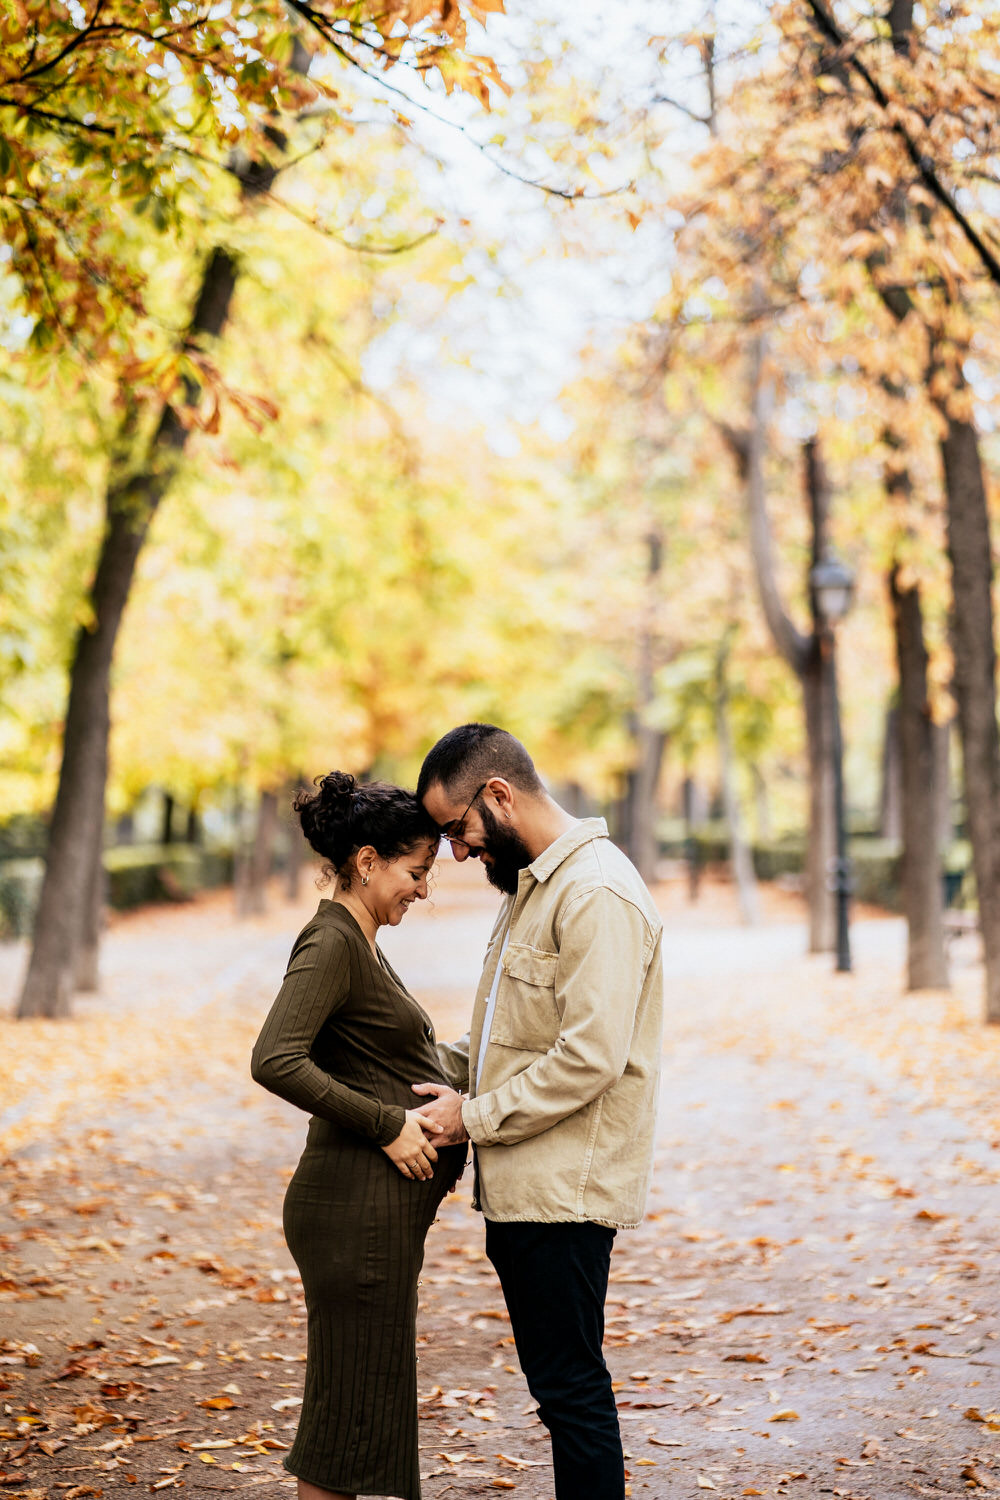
918,107
145,112
843,204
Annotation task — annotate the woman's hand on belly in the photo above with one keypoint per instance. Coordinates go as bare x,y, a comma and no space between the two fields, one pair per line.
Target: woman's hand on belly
412,1151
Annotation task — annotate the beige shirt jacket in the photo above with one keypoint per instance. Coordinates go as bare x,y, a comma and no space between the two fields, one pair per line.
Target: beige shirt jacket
564,1115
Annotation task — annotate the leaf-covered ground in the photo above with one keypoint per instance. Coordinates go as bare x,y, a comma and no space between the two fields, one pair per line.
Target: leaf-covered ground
809,1309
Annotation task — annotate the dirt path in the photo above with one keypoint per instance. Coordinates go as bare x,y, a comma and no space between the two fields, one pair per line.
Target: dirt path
810,1307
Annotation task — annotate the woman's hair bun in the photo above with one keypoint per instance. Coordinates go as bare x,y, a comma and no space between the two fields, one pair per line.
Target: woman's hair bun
325,815
342,816
336,789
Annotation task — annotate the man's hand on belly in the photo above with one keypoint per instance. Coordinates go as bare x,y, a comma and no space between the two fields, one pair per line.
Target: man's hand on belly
445,1110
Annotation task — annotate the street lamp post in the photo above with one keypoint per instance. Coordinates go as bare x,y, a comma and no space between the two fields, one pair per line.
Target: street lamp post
832,586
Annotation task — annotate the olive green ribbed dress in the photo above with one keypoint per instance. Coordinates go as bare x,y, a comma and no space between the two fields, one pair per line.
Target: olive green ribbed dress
345,1040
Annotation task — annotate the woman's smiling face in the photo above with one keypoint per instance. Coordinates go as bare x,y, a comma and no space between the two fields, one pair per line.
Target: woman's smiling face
393,885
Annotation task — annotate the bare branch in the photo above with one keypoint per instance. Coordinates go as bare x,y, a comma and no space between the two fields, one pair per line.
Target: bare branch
692,114
748,449
570,195
74,42
361,247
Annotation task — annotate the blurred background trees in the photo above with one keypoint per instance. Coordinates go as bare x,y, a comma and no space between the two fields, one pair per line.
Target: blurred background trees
531,400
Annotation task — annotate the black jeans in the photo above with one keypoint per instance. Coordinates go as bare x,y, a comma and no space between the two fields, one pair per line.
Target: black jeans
555,1279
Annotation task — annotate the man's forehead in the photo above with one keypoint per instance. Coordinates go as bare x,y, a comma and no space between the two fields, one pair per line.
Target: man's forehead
442,807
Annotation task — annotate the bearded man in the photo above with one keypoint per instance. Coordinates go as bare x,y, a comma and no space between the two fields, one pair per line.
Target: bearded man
556,1082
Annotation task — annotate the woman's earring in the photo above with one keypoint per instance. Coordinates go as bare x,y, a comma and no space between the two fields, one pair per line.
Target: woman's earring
364,880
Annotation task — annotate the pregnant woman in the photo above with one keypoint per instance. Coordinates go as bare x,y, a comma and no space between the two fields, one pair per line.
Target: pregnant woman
344,1040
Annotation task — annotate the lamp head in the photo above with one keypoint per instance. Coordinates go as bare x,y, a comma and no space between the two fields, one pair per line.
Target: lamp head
832,584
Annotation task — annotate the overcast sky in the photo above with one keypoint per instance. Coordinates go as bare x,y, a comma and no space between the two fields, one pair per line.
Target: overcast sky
547,278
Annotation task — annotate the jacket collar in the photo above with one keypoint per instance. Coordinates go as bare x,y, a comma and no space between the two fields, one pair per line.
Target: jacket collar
574,838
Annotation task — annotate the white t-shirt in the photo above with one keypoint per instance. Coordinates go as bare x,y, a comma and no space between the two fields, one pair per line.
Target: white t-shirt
491,1006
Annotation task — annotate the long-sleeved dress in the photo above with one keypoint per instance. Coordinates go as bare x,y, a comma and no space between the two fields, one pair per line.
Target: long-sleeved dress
345,1041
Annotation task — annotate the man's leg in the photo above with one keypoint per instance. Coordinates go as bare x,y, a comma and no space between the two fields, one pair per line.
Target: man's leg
555,1279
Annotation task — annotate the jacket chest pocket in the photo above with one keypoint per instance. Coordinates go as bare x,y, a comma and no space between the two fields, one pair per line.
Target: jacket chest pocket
526,1014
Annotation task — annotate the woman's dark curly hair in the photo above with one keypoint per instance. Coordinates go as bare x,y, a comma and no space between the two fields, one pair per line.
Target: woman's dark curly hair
342,816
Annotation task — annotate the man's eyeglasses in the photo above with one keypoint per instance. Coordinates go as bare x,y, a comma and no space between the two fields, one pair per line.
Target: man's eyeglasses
451,831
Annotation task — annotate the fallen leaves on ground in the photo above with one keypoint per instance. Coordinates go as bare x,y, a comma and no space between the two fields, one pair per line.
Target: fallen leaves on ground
814,1246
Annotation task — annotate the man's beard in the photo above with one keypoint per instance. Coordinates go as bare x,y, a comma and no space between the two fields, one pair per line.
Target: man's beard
508,851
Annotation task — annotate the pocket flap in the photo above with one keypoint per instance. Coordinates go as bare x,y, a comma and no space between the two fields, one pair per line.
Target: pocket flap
532,965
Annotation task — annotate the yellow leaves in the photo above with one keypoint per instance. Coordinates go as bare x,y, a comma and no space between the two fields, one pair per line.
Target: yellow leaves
864,243
771,1311
415,11
89,1417
218,1403
786,1414
15,1353
95,1242
976,1478
990,1419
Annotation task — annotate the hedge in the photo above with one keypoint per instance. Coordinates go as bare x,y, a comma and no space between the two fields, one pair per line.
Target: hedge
137,873
875,862
20,888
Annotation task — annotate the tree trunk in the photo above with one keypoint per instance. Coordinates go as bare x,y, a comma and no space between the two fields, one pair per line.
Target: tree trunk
821,847
192,829
167,821
641,801
261,854
762,805
923,896
694,817
944,819
740,857
970,552
294,865
799,650
74,833
890,813
822,712
88,957
649,742
78,814
242,858
296,847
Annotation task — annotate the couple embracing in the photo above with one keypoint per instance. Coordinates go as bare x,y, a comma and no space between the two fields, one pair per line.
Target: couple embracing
554,1086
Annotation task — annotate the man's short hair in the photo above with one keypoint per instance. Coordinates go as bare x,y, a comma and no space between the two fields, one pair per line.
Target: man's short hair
473,753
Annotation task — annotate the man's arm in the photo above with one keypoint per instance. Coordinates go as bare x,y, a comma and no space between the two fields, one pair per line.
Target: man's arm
597,992
454,1060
